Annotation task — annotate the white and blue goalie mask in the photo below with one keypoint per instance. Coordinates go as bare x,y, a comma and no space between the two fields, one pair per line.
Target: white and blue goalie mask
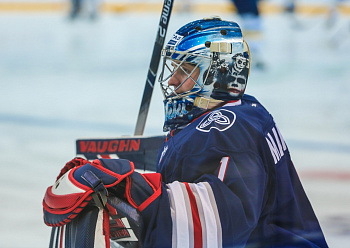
206,62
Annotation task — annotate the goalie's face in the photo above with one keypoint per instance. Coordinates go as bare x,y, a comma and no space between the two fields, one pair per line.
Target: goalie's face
184,77
179,78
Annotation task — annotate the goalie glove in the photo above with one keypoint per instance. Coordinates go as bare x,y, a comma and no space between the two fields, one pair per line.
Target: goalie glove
100,183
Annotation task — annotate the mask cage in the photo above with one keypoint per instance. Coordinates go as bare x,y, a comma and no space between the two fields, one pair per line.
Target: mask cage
176,61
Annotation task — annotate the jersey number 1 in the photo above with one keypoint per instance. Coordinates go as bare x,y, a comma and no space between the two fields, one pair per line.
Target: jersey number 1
223,168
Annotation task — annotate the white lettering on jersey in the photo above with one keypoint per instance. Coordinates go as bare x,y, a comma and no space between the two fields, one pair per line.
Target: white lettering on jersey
163,153
223,168
276,144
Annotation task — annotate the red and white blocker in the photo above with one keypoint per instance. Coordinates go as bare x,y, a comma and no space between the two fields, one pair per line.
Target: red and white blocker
194,203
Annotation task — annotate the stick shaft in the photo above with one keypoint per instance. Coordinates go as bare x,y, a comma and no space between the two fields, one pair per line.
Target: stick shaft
153,68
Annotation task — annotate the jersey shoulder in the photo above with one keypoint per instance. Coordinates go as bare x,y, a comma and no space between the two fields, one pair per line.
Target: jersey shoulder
252,101
251,111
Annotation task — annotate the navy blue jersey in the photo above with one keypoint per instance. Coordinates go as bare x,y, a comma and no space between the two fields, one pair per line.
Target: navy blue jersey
228,181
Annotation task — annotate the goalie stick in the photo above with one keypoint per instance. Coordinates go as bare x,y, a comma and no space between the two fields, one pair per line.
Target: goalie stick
153,68
143,152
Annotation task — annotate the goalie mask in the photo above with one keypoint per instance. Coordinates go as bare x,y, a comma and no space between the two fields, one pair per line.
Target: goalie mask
205,63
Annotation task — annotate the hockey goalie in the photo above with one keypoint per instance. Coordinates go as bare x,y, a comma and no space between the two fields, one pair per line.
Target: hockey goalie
224,175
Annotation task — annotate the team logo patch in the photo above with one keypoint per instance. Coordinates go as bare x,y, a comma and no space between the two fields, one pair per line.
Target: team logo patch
218,119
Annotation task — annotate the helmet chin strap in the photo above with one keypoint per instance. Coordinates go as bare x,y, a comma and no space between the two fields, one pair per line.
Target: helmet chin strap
206,103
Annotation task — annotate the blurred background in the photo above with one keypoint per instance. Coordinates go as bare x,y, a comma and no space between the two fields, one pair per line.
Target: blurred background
70,73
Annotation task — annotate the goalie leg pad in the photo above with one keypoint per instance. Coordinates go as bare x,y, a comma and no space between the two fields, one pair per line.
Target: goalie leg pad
85,231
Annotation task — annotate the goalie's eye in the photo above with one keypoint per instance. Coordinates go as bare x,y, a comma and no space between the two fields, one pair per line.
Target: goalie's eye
187,68
182,67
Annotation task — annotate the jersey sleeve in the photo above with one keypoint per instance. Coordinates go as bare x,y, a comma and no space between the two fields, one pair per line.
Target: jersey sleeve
218,209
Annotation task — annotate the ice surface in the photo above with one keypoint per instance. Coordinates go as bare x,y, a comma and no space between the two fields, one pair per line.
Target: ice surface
63,80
